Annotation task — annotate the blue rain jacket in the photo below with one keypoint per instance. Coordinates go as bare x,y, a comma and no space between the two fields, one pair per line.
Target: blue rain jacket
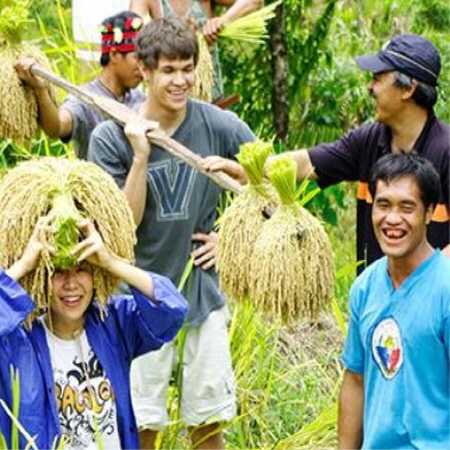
132,326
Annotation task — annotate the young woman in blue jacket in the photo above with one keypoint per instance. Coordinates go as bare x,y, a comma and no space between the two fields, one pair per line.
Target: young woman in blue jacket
73,362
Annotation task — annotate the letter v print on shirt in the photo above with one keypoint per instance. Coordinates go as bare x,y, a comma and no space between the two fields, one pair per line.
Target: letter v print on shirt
172,182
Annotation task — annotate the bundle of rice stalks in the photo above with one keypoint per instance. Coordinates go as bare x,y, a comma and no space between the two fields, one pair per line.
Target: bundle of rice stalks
251,28
203,72
18,106
241,222
291,272
64,190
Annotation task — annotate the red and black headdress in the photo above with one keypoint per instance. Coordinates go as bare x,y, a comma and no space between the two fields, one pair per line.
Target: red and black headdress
119,33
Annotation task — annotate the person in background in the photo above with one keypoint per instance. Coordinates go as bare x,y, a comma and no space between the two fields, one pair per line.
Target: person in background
118,79
201,14
404,86
74,362
175,208
395,392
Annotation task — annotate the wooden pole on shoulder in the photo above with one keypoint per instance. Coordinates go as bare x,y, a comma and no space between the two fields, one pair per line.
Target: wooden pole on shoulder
121,114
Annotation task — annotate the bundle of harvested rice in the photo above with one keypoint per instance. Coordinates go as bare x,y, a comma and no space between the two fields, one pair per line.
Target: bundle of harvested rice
18,106
64,190
241,222
292,273
251,28
203,72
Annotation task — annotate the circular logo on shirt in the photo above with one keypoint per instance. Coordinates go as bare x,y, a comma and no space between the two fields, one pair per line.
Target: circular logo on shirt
387,347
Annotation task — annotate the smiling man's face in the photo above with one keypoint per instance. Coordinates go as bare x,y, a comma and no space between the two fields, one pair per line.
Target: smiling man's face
399,217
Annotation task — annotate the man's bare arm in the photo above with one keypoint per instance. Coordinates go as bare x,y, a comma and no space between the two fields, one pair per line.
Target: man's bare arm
351,407
232,168
56,123
135,188
305,168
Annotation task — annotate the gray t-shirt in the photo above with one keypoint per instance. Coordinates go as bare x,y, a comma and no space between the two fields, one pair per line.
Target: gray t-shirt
180,200
85,118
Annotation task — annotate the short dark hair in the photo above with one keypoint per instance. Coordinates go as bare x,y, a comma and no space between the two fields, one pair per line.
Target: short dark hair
397,165
122,21
424,95
171,38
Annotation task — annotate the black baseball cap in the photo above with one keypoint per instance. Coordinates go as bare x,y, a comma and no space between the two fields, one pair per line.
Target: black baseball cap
408,53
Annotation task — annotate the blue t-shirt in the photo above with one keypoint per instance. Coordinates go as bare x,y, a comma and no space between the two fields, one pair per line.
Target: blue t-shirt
399,340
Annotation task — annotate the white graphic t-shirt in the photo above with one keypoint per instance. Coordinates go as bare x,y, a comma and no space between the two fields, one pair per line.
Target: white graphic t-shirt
84,395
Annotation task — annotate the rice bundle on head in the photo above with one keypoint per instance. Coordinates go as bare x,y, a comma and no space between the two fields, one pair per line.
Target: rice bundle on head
241,222
203,72
18,106
292,273
64,190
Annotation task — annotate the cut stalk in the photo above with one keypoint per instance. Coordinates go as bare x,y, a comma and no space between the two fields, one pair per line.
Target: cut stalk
65,217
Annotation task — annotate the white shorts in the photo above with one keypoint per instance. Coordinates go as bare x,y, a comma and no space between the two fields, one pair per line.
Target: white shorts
208,384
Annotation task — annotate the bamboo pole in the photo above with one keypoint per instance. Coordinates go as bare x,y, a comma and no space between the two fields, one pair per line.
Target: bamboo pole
122,114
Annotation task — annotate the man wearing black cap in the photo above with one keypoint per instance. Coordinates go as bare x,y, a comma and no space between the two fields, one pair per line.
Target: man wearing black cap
118,79
405,75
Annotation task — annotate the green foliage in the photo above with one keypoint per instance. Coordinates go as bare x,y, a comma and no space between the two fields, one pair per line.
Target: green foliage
249,71
16,427
434,14
50,13
255,106
11,154
306,34
13,19
54,37
66,237
278,372
305,50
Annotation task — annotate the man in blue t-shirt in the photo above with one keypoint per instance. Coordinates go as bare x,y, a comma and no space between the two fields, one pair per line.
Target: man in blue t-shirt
395,392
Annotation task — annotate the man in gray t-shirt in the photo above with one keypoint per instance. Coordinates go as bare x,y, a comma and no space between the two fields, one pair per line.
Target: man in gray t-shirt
175,208
118,79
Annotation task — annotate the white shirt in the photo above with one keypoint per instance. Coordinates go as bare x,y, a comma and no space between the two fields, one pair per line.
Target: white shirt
84,395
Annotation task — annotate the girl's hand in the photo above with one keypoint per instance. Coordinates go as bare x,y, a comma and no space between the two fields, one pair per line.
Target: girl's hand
92,248
33,251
